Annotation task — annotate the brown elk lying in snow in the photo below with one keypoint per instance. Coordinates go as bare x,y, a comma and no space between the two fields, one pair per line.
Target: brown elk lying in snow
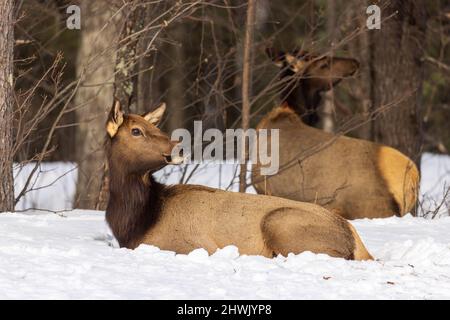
185,217
352,177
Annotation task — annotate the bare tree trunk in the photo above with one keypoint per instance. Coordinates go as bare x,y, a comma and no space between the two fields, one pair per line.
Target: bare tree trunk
359,48
126,73
176,80
328,103
148,84
6,105
147,90
398,75
246,84
95,97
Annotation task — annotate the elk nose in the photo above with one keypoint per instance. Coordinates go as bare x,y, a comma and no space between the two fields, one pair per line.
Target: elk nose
176,144
175,158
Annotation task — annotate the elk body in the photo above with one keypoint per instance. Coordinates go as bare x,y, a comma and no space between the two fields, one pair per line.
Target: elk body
185,217
351,177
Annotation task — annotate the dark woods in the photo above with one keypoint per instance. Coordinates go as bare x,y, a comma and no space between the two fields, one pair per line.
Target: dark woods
190,55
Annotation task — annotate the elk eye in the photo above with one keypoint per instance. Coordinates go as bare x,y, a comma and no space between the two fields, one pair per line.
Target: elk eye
136,132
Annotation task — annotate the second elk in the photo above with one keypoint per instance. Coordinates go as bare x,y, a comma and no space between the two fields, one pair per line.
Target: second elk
352,177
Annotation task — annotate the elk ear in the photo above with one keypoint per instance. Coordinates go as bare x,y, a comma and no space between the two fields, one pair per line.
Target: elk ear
276,56
154,117
115,119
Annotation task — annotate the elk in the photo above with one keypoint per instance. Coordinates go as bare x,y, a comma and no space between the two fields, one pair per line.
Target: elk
182,218
351,177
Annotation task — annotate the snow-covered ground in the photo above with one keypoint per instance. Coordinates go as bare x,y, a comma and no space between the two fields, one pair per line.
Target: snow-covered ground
73,255
47,256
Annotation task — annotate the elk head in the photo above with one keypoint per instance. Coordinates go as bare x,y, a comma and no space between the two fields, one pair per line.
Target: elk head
136,144
314,74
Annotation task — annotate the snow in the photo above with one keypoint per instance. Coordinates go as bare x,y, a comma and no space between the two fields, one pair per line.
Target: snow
72,255
435,182
52,187
222,176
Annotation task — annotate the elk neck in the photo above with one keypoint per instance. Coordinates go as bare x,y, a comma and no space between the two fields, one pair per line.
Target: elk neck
300,98
134,204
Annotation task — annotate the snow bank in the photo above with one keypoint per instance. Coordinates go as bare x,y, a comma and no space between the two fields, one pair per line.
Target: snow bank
74,257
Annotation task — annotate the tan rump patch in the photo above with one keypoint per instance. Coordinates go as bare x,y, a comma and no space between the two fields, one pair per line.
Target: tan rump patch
401,177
